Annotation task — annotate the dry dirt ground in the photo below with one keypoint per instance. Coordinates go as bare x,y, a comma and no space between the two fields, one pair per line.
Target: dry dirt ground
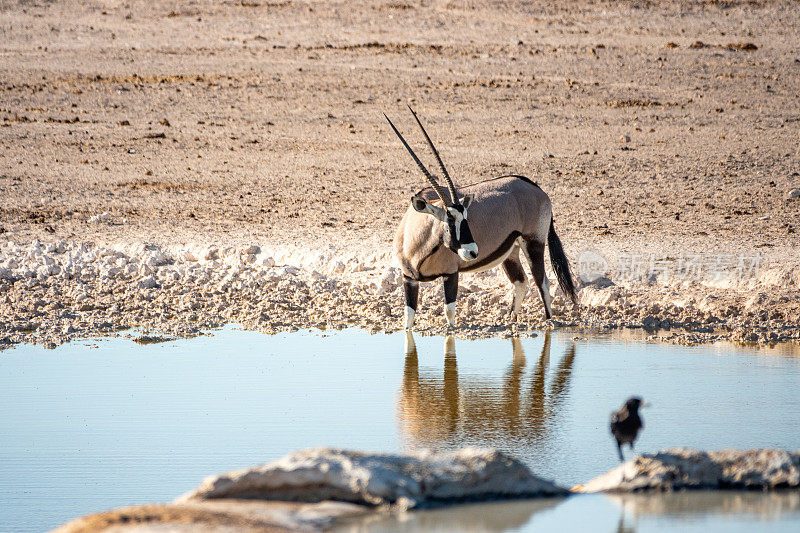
661,130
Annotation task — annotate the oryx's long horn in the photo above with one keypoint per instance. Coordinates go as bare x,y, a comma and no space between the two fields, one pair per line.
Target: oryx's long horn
424,170
438,159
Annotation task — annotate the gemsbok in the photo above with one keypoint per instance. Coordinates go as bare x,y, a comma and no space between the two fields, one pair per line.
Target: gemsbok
444,233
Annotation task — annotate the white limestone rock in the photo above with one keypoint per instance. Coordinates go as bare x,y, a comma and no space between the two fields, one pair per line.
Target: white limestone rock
44,271
210,253
684,468
101,218
403,481
594,297
56,247
156,258
219,516
186,256
250,250
148,282
287,271
389,280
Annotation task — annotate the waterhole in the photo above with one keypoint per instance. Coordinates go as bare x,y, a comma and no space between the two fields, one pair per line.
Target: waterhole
94,425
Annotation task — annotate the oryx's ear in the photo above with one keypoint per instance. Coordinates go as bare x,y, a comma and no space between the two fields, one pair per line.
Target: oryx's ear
467,200
423,206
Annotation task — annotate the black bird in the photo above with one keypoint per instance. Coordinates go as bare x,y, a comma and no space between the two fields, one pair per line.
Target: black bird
626,423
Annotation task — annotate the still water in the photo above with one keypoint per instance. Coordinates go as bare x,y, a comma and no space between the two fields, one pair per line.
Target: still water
701,512
95,425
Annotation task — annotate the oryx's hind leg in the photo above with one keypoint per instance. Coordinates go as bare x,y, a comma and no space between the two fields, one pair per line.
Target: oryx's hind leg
534,253
450,292
411,289
516,275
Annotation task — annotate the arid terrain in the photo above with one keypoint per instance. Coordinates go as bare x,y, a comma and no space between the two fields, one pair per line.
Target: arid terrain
665,133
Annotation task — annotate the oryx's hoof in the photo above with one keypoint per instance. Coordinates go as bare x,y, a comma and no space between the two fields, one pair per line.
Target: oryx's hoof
409,318
450,314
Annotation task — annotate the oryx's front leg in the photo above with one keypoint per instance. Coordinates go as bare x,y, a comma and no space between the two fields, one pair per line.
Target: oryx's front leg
411,289
450,292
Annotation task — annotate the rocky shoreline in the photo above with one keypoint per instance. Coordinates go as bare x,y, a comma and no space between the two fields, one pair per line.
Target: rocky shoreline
54,292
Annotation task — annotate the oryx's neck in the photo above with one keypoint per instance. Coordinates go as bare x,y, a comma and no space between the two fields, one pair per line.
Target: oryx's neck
432,255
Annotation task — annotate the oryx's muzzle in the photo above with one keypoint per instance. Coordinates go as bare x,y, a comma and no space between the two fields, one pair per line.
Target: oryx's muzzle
468,252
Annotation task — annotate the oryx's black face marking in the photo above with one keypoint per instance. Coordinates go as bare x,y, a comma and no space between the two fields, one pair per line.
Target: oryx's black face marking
457,235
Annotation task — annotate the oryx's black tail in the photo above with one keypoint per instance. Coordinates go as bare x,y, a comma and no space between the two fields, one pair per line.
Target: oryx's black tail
560,264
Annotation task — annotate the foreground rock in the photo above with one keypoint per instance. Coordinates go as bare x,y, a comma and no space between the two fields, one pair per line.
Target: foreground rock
217,517
399,481
683,468
318,488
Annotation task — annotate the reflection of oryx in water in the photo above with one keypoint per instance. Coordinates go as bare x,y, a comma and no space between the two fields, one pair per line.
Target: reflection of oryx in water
466,410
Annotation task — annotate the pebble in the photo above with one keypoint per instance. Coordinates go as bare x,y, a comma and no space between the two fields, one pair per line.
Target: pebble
148,282
210,254
103,217
186,256
794,194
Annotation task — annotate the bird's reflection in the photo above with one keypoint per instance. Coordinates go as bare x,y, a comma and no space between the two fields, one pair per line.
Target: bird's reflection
446,409
752,506
623,526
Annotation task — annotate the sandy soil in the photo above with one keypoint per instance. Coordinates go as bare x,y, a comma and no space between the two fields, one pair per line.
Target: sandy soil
659,129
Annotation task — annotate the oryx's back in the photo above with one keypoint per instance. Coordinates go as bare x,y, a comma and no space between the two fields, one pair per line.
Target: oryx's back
509,204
